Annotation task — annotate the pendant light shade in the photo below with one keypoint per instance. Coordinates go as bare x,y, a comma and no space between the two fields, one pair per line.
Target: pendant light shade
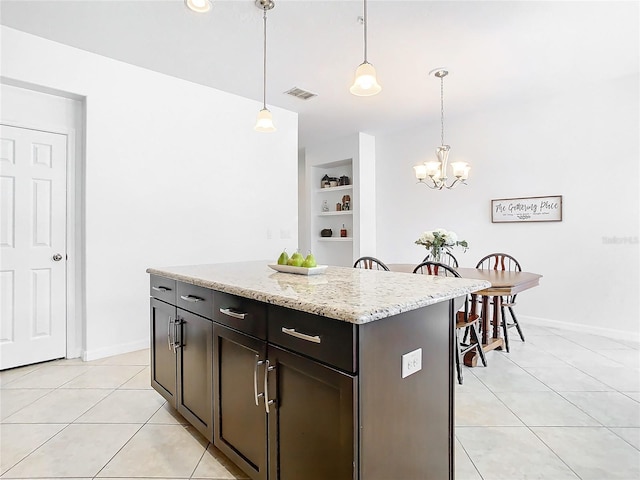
365,83
264,122
200,6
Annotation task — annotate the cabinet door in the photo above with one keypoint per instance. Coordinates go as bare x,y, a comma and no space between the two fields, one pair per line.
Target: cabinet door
239,411
312,425
195,356
163,359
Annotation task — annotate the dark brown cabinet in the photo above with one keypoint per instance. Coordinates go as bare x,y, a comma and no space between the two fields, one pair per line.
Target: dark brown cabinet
181,351
289,395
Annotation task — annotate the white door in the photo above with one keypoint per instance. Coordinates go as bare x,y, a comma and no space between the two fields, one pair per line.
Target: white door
32,246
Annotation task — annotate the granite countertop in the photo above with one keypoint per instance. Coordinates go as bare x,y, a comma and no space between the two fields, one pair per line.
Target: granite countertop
350,294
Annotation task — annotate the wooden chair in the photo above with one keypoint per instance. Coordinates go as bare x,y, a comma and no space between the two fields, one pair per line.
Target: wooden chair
505,262
465,320
370,263
445,258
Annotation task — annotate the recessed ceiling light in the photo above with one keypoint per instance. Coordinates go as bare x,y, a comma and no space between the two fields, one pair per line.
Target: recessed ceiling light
200,6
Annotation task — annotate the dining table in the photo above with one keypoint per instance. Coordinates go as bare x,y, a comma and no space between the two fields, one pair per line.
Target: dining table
503,284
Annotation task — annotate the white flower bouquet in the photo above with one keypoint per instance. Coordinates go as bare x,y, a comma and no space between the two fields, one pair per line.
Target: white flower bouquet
438,240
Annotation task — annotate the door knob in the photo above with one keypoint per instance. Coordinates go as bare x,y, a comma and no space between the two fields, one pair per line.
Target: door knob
57,257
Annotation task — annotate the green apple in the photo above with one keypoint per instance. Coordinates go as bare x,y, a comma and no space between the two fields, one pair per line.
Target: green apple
283,258
310,261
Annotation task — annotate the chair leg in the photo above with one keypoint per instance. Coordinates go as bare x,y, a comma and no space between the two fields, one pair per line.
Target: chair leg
458,359
505,328
475,337
515,322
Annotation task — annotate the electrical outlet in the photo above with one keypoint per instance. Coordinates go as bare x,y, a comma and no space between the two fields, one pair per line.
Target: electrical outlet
411,363
269,234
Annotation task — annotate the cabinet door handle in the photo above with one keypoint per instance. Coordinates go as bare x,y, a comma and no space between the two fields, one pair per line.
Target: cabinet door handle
169,328
256,395
191,298
161,289
176,345
267,402
231,313
302,336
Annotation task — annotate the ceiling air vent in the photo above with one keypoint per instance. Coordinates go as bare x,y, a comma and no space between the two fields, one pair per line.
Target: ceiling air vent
301,94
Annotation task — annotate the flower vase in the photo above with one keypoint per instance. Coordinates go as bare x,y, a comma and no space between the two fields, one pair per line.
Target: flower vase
436,254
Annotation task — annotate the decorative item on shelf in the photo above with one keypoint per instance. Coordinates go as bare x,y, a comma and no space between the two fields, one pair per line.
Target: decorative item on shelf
325,206
438,240
326,232
343,231
264,122
343,180
333,182
338,207
346,202
365,83
324,182
437,170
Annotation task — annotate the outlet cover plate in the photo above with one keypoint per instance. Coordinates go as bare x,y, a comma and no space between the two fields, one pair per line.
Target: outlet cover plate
411,362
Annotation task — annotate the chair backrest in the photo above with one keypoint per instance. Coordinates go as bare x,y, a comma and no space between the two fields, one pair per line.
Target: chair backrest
435,268
499,261
370,263
445,258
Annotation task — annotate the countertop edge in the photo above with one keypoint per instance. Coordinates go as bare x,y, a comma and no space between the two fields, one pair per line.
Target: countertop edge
319,309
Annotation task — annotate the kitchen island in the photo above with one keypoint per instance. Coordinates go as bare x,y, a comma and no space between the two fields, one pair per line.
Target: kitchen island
343,375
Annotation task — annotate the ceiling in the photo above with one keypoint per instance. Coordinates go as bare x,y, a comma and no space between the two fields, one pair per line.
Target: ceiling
496,51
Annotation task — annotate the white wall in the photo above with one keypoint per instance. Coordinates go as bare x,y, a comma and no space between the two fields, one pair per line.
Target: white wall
175,175
582,145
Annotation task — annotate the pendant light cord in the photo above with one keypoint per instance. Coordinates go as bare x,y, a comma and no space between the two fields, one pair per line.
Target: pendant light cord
364,19
264,64
441,110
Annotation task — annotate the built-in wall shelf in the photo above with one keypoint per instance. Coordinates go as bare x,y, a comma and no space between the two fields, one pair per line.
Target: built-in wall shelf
340,212
334,189
335,239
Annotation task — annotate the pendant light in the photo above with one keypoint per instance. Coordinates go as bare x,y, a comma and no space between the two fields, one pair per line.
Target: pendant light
365,83
437,170
200,6
264,122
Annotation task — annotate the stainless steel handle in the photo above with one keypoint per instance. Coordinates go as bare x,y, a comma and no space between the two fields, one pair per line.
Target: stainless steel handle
191,298
231,313
169,324
267,402
176,345
57,257
161,289
302,336
256,395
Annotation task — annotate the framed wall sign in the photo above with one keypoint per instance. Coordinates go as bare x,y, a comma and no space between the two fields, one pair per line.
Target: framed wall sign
527,209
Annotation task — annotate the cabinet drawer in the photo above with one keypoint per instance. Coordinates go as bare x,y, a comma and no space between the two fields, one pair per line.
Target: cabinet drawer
330,341
195,299
247,316
163,289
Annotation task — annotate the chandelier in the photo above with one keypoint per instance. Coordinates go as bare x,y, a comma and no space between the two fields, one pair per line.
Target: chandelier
437,170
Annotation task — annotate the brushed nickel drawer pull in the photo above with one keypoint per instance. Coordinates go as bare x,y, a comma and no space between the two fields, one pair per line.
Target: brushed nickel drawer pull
169,328
256,395
302,336
161,289
267,402
191,298
231,313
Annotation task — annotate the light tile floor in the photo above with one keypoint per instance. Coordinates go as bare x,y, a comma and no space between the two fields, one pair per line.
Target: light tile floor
560,406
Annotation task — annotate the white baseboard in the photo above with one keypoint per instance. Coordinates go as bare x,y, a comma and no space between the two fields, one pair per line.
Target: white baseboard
89,355
578,327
